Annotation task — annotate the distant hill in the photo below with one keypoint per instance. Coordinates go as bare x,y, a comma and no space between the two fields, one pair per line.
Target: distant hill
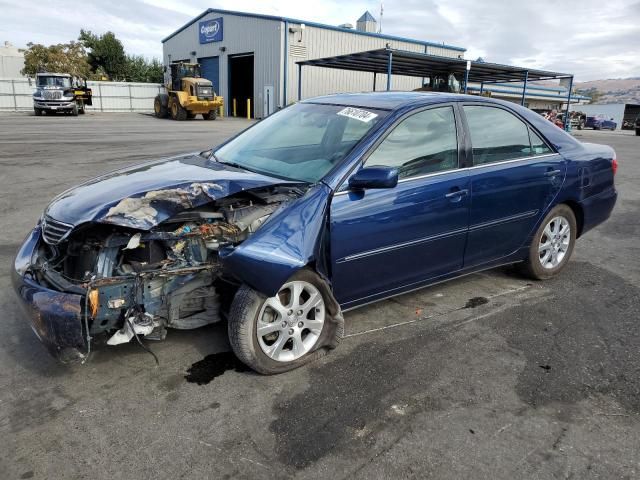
613,90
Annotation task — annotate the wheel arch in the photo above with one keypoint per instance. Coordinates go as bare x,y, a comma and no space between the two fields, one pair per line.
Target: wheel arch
576,208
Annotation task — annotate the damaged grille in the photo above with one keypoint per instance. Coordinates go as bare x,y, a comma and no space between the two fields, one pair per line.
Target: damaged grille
54,231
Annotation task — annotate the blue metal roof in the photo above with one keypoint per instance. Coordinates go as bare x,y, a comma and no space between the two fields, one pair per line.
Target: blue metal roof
311,24
367,17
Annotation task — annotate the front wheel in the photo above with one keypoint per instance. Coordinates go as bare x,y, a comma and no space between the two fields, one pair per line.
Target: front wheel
37,112
552,244
210,115
277,334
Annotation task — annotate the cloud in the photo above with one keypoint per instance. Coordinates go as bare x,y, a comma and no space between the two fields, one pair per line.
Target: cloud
592,39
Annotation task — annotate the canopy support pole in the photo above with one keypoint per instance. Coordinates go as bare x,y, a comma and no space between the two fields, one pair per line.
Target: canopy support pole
375,74
481,88
524,87
566,113
389,64
466,80
299,82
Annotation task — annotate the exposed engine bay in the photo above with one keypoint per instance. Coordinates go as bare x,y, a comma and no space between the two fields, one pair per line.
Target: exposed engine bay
139,281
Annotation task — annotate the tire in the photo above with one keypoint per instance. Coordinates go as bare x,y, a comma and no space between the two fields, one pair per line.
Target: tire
212,115
74,111
637,132
160,106
580,125
533,266
37,112
249,306
177,112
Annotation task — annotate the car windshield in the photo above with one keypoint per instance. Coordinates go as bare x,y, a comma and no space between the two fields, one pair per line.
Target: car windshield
64,82
302,142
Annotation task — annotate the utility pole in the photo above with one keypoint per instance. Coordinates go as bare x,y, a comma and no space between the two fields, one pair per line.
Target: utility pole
380,22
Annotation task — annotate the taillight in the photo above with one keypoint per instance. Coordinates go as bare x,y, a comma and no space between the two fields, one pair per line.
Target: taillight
614,165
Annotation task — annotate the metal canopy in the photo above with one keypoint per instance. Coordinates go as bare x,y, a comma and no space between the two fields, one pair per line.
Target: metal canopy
391,61
415,64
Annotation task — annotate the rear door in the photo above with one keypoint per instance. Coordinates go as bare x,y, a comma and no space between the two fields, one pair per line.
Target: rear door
514,178
385,240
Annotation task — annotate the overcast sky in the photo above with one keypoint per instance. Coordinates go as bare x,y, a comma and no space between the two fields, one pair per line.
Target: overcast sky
592,38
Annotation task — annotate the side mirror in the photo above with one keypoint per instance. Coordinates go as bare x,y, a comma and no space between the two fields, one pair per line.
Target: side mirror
374,177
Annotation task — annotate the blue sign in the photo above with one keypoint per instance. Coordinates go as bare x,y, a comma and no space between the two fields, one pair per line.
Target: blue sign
210,30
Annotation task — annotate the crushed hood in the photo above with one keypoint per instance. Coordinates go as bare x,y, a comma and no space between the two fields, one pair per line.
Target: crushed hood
146,195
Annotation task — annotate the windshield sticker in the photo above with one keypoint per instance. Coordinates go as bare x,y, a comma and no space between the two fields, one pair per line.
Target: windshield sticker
358,114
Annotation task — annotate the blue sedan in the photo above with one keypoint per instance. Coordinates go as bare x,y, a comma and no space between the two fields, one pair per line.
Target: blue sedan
600,122
325,206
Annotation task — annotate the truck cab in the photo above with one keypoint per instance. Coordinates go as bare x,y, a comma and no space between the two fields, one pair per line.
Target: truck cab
60,92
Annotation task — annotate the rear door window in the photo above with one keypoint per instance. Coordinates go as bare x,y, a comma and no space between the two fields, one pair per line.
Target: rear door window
496,135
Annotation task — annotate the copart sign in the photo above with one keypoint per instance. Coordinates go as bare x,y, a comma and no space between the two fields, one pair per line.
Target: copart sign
210,30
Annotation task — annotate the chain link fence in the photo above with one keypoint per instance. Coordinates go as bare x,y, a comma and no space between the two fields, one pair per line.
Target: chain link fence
16,95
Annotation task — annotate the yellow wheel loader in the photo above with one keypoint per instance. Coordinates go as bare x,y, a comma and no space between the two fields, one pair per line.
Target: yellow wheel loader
188,95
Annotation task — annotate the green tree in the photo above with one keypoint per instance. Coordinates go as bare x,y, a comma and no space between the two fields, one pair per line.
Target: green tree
139,69
106,53
68,58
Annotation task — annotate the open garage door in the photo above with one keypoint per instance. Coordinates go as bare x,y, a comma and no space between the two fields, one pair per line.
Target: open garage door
210,69
241,83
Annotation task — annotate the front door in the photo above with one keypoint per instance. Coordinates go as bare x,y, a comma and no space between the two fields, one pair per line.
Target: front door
514,178
384,241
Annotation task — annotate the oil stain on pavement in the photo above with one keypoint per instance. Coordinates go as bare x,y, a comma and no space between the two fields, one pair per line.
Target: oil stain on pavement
212,366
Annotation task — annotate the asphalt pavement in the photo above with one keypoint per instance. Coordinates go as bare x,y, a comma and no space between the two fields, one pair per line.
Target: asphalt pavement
489,376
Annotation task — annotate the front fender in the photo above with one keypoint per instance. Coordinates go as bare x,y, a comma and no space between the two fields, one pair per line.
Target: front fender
286,243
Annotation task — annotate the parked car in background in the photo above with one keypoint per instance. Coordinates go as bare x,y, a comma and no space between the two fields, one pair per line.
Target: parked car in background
600,122
327,205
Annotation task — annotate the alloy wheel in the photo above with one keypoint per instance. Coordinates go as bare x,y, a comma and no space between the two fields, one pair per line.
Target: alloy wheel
290,323
554,242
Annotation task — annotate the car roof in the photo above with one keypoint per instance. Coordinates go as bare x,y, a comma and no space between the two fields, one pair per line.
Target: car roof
394,100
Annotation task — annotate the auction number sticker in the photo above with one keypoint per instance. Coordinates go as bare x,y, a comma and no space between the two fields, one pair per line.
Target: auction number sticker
358,114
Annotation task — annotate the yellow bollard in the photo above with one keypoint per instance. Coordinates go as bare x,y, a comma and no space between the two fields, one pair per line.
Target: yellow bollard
221,110
248,109
234,107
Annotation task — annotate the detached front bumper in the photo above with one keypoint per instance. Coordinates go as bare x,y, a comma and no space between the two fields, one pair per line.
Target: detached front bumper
55,317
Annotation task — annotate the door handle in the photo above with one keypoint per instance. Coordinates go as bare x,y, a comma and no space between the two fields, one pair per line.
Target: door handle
457,193
553,173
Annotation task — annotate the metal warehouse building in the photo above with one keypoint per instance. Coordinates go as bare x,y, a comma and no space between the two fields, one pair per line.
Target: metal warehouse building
251,56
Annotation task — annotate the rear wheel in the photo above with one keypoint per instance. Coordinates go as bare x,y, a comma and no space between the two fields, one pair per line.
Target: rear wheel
177,112
283,332
160,107
212,115
552,244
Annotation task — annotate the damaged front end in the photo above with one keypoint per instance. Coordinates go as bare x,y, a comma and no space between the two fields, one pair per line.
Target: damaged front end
128,274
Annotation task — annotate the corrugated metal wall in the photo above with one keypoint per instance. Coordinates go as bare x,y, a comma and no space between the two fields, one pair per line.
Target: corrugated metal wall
318,42
266,39
240,35
16,95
